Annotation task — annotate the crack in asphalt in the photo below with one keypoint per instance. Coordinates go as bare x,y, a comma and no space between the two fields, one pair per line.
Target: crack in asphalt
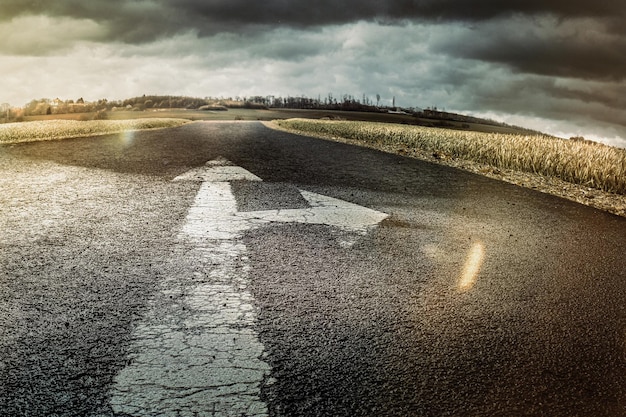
196,348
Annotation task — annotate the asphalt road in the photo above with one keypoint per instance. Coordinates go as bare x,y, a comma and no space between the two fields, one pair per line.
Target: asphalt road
136,280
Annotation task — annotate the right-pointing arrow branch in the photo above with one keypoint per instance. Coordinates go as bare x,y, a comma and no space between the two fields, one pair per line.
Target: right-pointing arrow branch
215,216
324,210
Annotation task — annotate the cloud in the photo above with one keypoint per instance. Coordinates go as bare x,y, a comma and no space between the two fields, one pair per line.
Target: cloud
577,48
43,35
564,38
147,20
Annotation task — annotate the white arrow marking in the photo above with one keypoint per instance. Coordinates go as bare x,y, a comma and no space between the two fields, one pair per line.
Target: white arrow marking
324,210
218,170
215,200
200,353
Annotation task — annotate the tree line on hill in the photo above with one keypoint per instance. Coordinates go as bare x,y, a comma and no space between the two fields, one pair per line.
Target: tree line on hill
46,106
345,102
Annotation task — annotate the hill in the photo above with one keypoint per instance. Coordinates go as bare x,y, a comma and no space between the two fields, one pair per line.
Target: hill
253,108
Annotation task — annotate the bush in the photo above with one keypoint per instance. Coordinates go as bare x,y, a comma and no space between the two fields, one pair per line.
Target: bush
101,115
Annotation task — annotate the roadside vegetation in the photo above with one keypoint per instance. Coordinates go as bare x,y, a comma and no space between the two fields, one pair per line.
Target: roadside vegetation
579,162
345,107
63,129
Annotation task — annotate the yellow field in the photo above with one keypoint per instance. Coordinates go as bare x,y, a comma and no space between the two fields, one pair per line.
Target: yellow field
592,165
63,129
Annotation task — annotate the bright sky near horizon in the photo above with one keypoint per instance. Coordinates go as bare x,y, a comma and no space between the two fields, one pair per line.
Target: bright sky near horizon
558,66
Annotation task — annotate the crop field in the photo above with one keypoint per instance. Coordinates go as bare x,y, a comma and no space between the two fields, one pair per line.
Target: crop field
189,114
592,165
278,113
62,129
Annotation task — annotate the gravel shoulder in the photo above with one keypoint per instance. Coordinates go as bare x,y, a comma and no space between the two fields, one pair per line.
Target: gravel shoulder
612,203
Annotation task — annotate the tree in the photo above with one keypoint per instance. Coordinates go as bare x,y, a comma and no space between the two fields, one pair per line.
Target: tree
5,109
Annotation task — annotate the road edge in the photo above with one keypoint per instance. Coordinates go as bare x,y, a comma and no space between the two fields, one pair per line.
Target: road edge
601,200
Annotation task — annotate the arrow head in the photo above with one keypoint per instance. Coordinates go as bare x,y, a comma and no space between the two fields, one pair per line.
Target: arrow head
326,210
218,170
215,216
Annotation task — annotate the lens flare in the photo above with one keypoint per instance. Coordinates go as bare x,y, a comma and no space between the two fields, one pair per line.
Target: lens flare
472,267
127,138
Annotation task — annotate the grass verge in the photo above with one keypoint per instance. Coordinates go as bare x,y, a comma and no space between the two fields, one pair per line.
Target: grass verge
64,129
588,164
438,151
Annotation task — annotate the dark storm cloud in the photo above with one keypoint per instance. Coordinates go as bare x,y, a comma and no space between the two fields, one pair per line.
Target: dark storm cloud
135,21
576,48
567,38
323,12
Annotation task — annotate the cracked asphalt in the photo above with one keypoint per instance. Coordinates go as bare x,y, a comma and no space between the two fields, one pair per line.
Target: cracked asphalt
110,307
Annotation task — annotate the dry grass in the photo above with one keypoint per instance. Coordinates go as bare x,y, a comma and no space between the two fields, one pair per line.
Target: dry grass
63,129
591,165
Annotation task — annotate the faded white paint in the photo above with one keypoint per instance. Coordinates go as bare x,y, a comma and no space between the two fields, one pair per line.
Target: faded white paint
218,170
196,351
216,201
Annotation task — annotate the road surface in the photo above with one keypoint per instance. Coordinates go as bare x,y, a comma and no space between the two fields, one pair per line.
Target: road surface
225,269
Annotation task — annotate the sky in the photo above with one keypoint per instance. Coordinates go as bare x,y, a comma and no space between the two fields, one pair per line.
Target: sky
558,66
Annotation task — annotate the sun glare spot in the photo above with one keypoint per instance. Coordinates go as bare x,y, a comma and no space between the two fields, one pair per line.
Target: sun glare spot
472,267
127,138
